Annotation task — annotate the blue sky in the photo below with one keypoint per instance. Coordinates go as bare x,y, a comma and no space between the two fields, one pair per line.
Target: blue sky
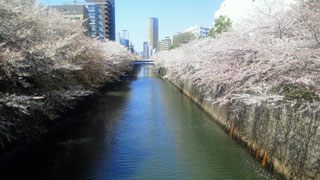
174,16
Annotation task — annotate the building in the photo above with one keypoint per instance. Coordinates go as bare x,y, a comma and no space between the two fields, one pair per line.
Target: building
131,48
199,31
124,38
140,54
100,15
107,8
125,42
95,21
72,12
145,50
153,33
85,11
164,45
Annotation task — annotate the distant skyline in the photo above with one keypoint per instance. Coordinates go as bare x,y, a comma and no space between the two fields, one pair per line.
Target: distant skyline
174,16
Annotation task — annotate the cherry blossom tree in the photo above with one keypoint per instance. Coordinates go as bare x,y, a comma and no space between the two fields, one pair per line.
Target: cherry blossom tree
273,55
47,64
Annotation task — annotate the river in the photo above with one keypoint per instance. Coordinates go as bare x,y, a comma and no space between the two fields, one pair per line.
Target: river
143,129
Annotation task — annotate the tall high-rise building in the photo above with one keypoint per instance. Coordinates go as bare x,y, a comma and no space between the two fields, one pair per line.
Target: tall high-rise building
107,8
153,33
95,21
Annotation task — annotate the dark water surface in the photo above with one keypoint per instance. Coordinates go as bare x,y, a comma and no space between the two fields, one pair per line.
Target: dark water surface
145,129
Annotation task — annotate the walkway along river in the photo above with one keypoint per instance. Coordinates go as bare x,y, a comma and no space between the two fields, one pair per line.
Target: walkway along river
144,129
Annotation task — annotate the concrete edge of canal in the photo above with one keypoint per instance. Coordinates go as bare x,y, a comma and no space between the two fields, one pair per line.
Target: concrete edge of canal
276,135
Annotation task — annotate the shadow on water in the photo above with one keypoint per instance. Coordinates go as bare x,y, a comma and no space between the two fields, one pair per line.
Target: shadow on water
69,152
142,129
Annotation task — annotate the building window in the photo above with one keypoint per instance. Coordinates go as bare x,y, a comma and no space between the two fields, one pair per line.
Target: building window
92,14
99,16
75,11
92,7
92,20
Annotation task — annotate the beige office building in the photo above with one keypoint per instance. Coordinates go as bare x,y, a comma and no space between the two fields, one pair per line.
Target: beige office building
164,45
72,12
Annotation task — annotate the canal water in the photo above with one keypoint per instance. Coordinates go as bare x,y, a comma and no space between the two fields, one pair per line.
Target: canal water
144,129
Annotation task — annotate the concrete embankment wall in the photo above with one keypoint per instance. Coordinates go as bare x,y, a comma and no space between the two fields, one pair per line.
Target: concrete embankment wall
283,140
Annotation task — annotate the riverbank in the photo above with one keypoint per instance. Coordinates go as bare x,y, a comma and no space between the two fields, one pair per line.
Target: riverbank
45,116
63,122
260,80
48,66
280,137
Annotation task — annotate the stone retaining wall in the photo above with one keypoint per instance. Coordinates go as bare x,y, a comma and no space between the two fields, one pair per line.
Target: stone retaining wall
280,138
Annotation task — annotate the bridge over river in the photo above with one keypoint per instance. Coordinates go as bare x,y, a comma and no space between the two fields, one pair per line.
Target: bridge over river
143,61
143,129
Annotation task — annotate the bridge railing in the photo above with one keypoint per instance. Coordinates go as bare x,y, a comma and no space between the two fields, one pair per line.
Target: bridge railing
148,62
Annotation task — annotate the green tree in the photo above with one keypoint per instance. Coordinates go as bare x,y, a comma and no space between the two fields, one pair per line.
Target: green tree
221,24
182,38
